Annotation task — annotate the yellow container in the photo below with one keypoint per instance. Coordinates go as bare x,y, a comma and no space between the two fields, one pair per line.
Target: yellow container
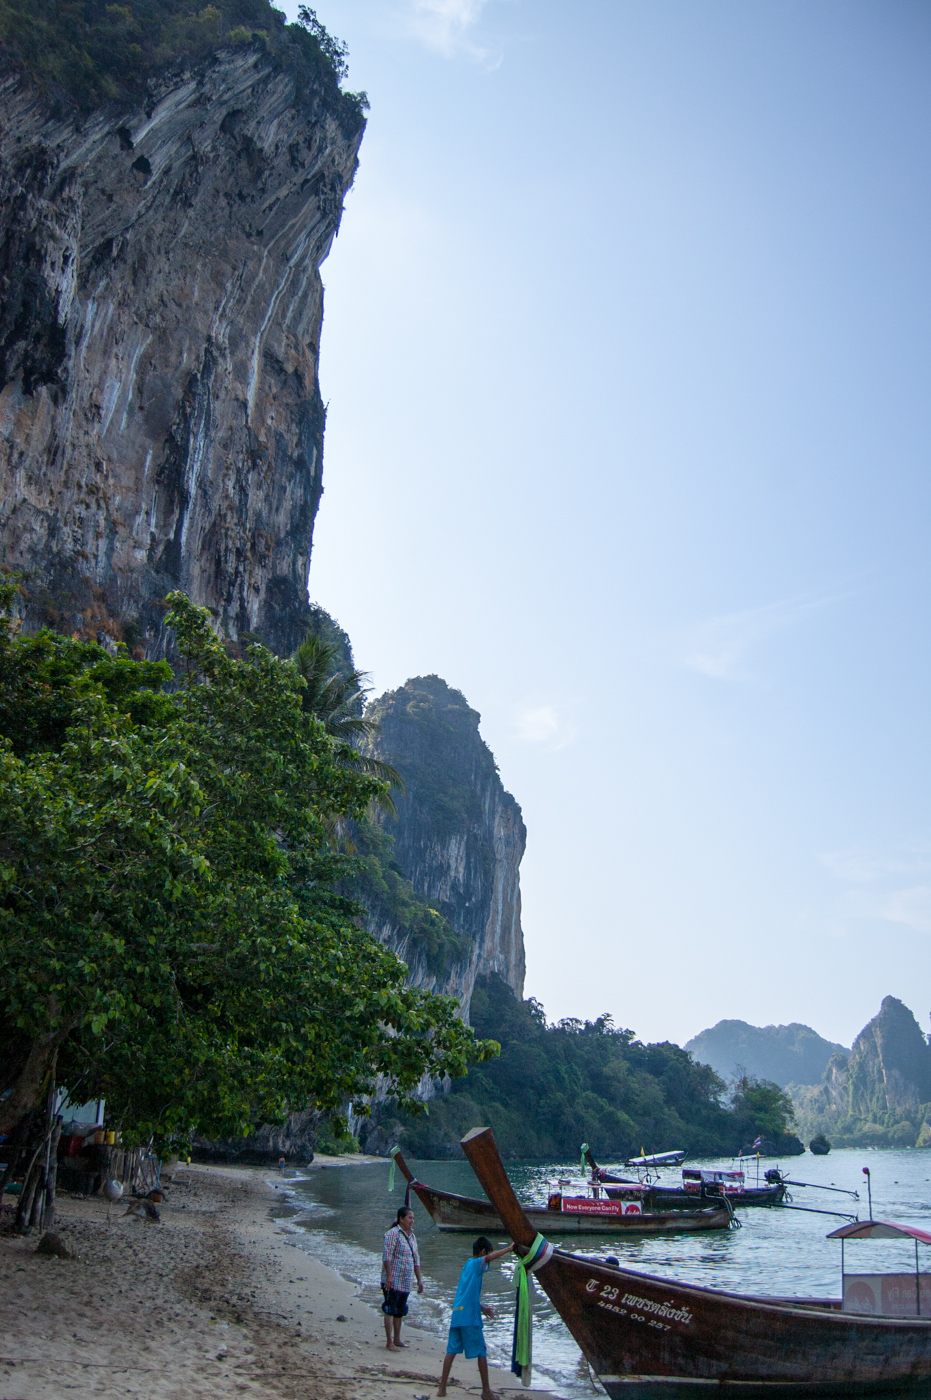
110,1138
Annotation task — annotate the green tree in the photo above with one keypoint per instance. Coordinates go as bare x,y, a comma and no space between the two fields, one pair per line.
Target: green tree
761,1109
171,935
335,696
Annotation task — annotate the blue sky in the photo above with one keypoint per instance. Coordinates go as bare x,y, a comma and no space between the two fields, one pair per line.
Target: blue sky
626,349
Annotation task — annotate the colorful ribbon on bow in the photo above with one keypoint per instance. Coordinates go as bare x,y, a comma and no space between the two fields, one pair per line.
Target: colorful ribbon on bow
582,1163
539,1253
391,1170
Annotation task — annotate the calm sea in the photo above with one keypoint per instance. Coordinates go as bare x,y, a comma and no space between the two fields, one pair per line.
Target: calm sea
343,1213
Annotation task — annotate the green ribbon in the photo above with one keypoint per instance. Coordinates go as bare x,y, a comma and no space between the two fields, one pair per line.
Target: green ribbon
582,1164
391,1170
539,1252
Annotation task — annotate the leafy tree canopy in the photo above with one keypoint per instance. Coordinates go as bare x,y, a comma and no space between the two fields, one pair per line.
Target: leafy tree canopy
170,926
97,52
557,1086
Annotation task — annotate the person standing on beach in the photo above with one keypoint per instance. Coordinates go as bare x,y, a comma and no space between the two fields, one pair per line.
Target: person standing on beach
466,1331
400,1265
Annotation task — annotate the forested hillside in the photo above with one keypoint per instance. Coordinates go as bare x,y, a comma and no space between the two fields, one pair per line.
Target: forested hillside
556,1086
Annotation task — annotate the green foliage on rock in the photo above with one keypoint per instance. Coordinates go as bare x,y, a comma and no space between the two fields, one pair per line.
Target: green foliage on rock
555,1086
171,930
762,1109
94,52
391,900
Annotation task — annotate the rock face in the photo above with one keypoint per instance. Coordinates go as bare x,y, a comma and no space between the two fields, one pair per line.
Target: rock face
459,837
793,1054
160,308
882,1094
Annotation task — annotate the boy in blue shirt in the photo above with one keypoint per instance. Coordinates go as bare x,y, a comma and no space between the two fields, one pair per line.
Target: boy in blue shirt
466,1333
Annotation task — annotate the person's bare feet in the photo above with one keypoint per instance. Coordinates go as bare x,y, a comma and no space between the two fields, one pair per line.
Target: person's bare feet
390,1346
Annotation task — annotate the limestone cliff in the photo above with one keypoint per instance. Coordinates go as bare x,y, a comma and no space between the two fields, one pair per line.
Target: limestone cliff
161,424
458,838
881,1095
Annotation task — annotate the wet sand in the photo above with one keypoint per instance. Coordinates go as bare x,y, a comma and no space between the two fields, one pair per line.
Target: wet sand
214,1301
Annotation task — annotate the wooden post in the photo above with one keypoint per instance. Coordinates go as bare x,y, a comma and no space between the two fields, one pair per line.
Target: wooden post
481,1150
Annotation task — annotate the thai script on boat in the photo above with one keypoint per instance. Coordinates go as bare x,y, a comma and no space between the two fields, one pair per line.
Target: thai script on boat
658,1309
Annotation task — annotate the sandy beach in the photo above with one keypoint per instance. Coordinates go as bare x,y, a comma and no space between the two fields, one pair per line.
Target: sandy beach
215,1300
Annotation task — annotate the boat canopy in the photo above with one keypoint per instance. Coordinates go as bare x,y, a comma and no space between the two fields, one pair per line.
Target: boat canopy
658,1159
880,1230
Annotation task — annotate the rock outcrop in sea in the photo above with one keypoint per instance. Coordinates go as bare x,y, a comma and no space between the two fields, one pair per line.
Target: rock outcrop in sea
161,424
881,1095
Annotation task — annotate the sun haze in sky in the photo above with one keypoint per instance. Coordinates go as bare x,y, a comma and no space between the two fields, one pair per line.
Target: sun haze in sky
626,352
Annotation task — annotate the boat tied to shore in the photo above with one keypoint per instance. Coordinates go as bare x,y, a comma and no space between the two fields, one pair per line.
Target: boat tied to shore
701,1183
572,1212
647,1337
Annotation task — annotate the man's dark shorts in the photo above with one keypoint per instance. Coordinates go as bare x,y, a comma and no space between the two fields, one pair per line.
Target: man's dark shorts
395,1304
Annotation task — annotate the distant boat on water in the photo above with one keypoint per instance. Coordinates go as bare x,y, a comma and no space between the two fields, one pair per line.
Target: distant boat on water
698,1184
571,1212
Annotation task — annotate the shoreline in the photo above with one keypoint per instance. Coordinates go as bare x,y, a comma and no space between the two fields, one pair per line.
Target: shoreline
206,1304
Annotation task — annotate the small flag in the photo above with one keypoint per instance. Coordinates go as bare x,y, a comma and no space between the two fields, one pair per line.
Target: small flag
758,1144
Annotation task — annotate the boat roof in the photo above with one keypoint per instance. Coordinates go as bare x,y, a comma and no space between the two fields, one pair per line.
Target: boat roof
880,1230
656,1159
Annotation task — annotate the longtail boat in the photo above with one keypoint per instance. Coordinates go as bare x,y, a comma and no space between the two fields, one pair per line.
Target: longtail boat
647,1337
568,1215
697,1184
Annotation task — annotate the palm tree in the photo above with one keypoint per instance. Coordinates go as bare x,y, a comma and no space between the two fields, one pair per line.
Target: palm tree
337,699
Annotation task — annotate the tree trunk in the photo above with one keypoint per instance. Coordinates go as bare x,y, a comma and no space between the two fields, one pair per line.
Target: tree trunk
51,1176
27,1089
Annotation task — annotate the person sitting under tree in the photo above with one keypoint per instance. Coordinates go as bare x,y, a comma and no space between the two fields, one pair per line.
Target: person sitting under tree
466,1331
399,1266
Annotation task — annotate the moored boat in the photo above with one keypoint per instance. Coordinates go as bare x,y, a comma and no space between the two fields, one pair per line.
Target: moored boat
647,1337
568,1214
697,1183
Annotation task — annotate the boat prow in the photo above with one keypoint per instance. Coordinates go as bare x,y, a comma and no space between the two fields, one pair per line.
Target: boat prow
647,1337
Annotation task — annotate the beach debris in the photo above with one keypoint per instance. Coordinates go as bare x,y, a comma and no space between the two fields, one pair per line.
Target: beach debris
53,1247
113,1190
145,1210
341,1318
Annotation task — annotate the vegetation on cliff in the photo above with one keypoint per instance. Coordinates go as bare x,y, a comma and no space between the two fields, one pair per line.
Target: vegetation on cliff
336,693
94,52
881,1095
172,935
556,1086
793,1054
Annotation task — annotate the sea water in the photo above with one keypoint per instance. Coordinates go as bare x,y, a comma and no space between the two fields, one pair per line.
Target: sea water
342,1213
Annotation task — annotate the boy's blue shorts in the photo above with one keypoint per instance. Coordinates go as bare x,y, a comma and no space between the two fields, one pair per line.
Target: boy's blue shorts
470,1340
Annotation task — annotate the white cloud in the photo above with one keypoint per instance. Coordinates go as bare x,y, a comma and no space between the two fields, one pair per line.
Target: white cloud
876,890
543,724
445,26
863,867
718,647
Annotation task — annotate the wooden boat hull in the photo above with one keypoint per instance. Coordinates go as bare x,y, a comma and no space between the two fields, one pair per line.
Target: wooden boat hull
473,1215
648,1337
676,1198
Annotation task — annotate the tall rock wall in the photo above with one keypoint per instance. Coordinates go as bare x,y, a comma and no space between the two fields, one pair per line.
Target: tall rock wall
458,837
880,1095
161,424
